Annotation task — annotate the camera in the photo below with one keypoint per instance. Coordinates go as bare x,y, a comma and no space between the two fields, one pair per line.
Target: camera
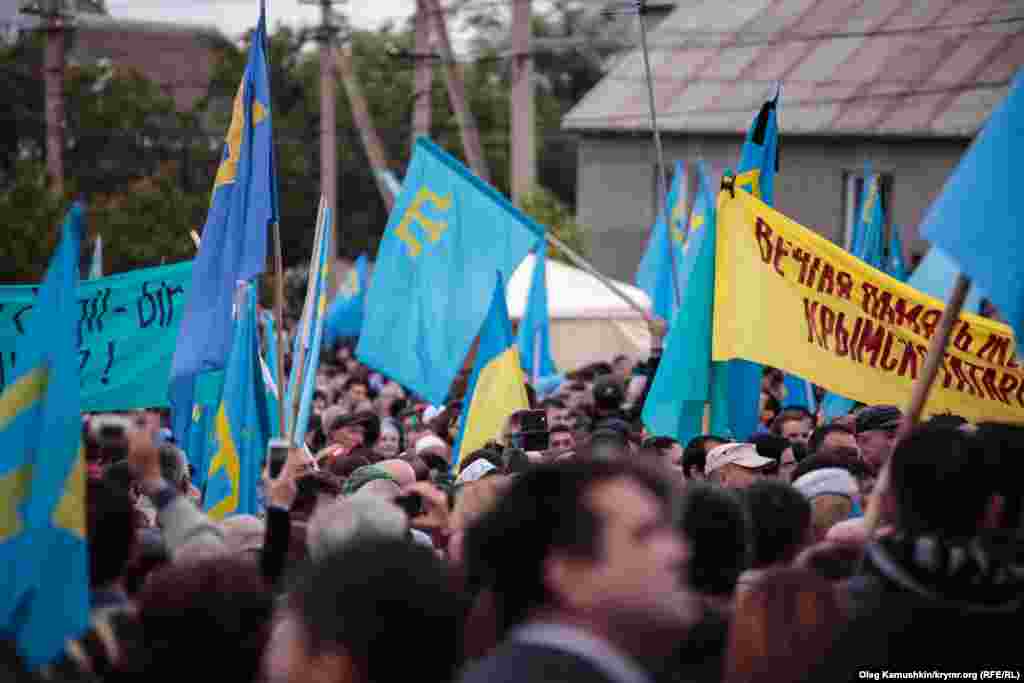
533,432
277,455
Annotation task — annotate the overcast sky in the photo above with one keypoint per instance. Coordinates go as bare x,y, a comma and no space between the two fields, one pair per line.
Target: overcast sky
234,17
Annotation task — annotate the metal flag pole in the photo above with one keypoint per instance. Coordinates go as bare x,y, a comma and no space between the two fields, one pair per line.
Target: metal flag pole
659,150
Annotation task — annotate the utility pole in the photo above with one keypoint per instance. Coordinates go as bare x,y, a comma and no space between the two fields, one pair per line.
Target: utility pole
364,122
325,36
55,24
524,152
424,61
457,93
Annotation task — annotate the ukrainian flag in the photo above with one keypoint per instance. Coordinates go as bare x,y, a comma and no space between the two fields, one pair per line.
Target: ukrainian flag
497,387
234,244
241,424
44,576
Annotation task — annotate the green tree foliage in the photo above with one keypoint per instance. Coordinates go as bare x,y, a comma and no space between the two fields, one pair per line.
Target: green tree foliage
544,207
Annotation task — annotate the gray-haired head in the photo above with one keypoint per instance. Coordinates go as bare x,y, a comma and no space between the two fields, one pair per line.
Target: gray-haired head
338,524
173,466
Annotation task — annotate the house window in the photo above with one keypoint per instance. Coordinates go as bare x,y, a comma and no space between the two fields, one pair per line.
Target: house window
853,188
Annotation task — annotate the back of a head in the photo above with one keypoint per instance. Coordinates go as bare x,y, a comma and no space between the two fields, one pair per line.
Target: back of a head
939,483
541,512
215,610
384,604
120,475
336,526
696,451
476,499
780,518
819,434
110,519
716,529
783,622
829,458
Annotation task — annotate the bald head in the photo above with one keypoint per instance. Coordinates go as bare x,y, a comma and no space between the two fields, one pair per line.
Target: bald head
382,488
401,471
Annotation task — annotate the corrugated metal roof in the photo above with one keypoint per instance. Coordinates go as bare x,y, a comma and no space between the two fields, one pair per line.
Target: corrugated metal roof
932,68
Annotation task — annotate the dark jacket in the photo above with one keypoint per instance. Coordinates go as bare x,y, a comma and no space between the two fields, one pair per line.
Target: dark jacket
515,662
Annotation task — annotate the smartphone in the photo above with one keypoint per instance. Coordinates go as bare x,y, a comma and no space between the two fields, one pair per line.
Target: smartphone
277,455
534,421
411,504
532,441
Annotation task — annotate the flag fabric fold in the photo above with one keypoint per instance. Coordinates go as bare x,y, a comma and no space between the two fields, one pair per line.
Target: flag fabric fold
534,336
977,217
345,316
658,274
497,386
241,424
448,233
682,385
44,581
309,337
233,247
96,266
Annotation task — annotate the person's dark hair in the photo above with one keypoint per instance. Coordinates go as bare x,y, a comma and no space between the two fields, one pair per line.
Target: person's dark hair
543,511
353,381
772,404
948,420
819,434
771,446
779,521
314,428
715,525
1002,444
553,403
939,482
788,414
344,467
310,486
110,521
317,393
213,610
838,456
696,452
120,475
372,594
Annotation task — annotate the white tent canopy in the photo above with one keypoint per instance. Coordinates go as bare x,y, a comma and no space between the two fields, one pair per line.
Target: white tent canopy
589,322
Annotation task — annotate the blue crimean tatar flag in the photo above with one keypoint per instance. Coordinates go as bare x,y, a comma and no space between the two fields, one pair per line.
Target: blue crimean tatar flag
234,241
658,274
44,573
345,315
978,216
534,336
448,234
241,424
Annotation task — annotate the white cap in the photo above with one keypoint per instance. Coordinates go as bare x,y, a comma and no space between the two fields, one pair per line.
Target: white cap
828,481
742,454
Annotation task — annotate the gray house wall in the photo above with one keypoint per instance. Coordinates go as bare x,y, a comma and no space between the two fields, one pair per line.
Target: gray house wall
616,184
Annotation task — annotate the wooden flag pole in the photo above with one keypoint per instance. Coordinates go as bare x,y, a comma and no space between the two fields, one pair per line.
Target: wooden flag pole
919,397
279,314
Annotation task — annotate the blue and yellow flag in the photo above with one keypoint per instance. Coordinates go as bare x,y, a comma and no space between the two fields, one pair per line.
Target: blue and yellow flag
658,274
447,235
345,316
496,388
682,385
44,575
977,217
309,336
738,382
234,242
534,336
868,246
241,424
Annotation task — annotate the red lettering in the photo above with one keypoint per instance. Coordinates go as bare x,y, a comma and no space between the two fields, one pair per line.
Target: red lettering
827,282
811,314
780,251
1007,384
844,283
883,310
988,380
842,336
888,364
855,350
828,323
995,349
803,258
909,361
972,376
871,341
957,366
905,318
763,233
813,274
929,320
963,339
870,293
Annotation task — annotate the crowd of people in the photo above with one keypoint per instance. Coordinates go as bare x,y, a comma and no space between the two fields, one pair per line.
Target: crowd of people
611,555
